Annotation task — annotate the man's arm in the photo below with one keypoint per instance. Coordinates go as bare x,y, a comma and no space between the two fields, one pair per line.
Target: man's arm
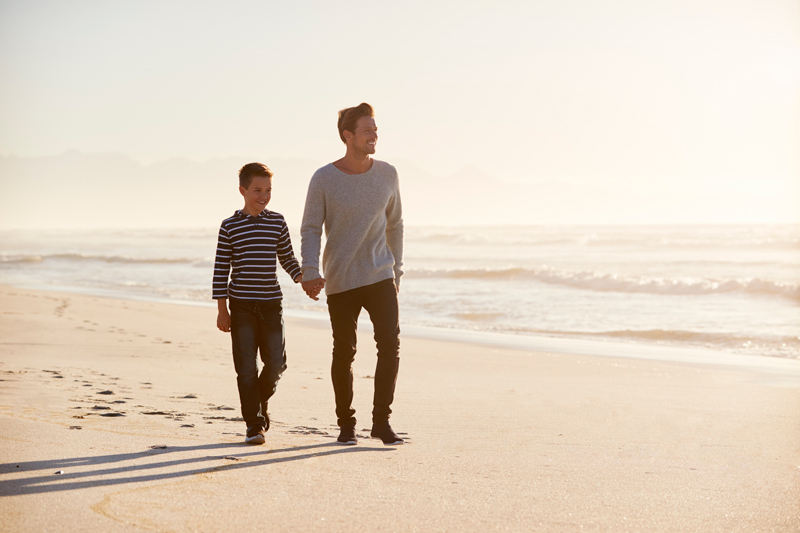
311,240
394,232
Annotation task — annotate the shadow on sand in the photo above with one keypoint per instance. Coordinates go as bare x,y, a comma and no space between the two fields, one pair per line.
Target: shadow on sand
97,471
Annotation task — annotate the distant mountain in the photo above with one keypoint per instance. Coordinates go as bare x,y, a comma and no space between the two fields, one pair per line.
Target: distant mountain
111,190
78,190
75,189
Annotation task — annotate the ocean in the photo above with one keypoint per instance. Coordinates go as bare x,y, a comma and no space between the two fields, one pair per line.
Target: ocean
734,289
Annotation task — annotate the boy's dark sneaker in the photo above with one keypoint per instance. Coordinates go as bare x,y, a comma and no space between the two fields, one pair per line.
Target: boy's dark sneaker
347,436
255,435
383,431
265,414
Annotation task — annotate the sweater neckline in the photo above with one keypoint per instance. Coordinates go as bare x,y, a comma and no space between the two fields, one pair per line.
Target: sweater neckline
354,175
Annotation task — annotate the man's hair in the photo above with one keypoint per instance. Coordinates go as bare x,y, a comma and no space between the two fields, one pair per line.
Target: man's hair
350,115
250,171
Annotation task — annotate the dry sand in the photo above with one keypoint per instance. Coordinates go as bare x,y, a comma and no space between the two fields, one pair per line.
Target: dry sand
498,439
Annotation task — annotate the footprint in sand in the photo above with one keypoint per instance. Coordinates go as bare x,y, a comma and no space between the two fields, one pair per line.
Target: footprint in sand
307,430
59,311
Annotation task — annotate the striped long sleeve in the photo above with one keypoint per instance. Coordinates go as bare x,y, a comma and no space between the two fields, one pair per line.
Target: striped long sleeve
248,252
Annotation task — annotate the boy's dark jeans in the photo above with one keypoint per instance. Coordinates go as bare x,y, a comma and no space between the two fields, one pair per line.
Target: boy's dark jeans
380,301
257,326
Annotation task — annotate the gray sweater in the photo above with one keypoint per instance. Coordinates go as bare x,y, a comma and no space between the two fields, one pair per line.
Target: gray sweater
363,221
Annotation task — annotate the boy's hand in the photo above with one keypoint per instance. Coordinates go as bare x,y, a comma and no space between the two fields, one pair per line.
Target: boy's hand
223,316
224,321
313,287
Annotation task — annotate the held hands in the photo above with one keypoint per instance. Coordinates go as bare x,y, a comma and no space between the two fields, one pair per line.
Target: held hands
313,287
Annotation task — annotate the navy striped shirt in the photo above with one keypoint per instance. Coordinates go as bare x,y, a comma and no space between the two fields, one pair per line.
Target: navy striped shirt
247,249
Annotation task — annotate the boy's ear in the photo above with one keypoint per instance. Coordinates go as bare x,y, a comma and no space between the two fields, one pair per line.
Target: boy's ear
242,190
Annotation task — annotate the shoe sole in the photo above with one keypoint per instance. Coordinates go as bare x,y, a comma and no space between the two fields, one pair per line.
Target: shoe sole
397,442
259,439
348,443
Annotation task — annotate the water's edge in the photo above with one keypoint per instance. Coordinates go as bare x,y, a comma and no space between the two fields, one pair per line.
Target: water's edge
781,371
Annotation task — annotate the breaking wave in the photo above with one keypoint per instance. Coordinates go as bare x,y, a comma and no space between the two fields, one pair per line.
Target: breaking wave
596,281
35,258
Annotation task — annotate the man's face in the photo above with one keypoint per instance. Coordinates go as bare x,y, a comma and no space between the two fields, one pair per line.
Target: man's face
366,135
257,195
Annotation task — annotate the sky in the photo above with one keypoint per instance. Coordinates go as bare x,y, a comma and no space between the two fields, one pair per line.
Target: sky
643,103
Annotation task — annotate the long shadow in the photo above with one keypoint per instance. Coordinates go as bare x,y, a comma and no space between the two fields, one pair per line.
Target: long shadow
126,474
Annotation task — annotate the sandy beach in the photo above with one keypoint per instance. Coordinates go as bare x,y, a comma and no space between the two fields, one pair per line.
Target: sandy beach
121,415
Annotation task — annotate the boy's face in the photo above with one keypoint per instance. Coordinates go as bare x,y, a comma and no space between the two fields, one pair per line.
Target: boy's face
257,195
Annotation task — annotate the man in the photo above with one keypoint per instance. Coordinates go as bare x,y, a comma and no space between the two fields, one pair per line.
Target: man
357,200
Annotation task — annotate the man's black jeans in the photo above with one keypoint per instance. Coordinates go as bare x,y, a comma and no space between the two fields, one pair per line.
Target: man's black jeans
257,327
380,301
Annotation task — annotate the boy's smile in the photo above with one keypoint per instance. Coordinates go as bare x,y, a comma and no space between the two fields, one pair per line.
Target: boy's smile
257,195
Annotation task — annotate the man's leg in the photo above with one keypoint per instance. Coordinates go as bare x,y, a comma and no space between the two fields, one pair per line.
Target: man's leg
272,347
244,332
344,309
381,304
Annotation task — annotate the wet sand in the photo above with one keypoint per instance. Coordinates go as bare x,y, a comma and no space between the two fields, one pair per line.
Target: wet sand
120,415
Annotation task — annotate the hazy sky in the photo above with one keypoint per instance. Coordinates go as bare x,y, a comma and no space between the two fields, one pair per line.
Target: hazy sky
700,93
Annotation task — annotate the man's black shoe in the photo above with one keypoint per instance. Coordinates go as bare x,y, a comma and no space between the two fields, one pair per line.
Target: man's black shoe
383,431
347,435
255,435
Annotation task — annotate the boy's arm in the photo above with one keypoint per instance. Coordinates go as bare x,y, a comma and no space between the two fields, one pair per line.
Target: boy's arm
223,317
394,232
222,267
286,255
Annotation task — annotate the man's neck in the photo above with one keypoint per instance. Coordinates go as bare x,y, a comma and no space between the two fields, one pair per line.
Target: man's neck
353,163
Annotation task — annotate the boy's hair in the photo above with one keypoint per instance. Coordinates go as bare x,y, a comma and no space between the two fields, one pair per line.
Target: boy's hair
350,115
250,171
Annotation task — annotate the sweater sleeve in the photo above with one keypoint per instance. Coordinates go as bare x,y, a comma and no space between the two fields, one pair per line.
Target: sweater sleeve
222,265
394,231
311,230
286,254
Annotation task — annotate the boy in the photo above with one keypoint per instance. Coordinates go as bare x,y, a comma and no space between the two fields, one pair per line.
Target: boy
250,242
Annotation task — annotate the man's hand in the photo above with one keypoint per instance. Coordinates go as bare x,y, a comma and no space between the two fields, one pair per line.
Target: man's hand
313,287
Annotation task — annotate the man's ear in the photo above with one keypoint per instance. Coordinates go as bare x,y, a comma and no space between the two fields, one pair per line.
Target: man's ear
242,190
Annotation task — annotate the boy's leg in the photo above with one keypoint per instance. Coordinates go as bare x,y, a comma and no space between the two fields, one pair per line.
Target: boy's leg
381,304
272,347
244,331
344,309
